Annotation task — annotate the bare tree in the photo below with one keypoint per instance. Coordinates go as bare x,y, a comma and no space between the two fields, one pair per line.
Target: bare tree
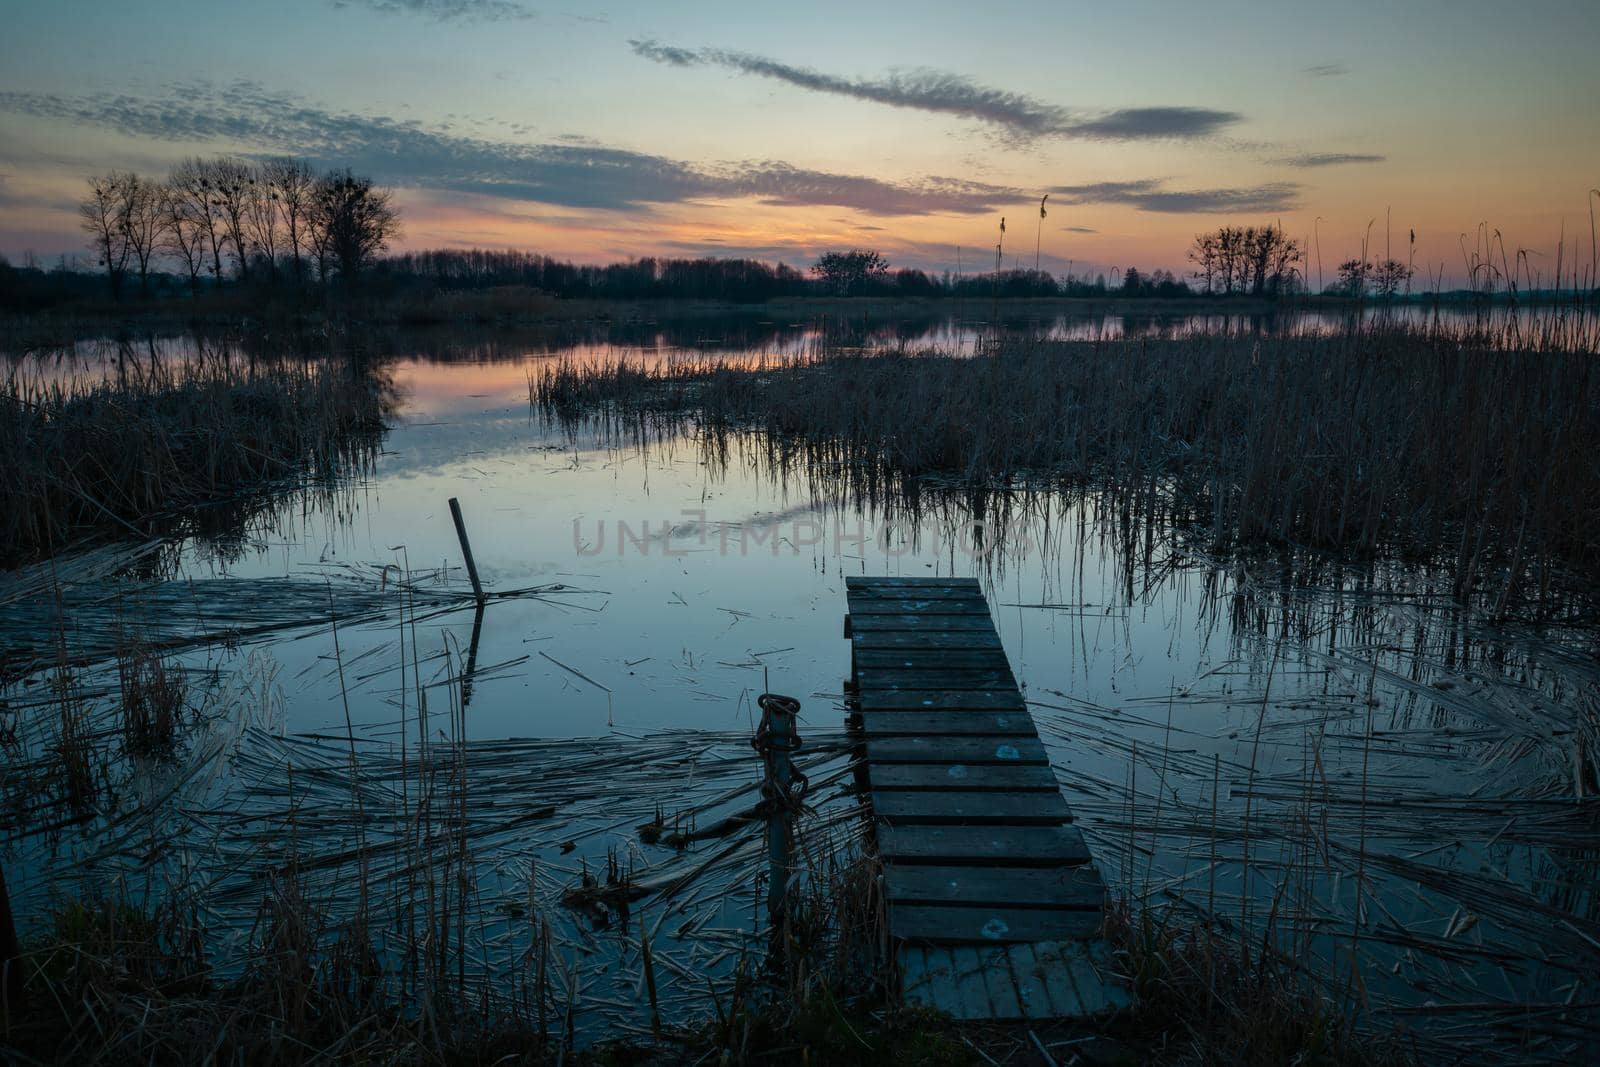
232,189
103,214
146,223
293,183
186,235
355,221
194,183
1259,260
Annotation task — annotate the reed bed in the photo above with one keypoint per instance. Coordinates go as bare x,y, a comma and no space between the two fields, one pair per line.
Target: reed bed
1458,446
152,439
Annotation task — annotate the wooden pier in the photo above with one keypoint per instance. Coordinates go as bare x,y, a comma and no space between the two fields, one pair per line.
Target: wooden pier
993,906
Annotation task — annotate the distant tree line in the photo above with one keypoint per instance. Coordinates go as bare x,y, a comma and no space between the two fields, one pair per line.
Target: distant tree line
854,272
280,223
220,218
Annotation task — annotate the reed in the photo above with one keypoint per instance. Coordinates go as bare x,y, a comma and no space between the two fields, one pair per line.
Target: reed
1460,447
154,439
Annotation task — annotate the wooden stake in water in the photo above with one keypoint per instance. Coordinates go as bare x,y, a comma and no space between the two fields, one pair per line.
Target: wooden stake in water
466,549
776,739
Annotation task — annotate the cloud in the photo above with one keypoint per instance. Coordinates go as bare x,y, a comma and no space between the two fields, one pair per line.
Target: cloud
1325,70
1079,229
446,10
1150,194
1329,159
578,175
1018,117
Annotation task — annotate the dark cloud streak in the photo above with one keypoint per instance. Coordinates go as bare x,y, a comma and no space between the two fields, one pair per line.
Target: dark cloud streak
1329,159
1151,194
446,10
1019,117
566,174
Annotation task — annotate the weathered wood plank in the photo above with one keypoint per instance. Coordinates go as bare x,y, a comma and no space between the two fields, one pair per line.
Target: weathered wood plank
868,581
1020,846
863,606
997,976
945,700
960,925
880,623
967,750
1069,888
990,894
1087,964
937,777
901,681
917,640
971,809
967,659
1046,992
936,723
941,591
971,988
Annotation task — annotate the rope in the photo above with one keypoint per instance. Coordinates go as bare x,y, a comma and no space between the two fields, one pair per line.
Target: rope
773,747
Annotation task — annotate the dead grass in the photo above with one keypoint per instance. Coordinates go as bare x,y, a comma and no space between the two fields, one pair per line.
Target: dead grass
155,438
1453,447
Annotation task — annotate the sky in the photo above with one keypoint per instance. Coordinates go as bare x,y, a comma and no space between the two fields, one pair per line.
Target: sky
621,130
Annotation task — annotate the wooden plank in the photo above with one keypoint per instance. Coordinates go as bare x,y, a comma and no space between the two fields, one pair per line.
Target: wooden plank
971,809
938,723
936,700
915,640
963,777
964,750
1067,888
923,923
1045,992
1087,964
902,680
861,606
922,605
861,594
997,976
868,581
881,623
966,659
972,992
1020,846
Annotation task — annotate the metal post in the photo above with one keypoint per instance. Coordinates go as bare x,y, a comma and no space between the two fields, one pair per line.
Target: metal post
466,549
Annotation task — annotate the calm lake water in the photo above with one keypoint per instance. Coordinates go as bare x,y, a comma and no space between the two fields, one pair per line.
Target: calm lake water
1340,750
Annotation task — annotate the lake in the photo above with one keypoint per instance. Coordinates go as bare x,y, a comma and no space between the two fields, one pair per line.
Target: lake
1337,751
